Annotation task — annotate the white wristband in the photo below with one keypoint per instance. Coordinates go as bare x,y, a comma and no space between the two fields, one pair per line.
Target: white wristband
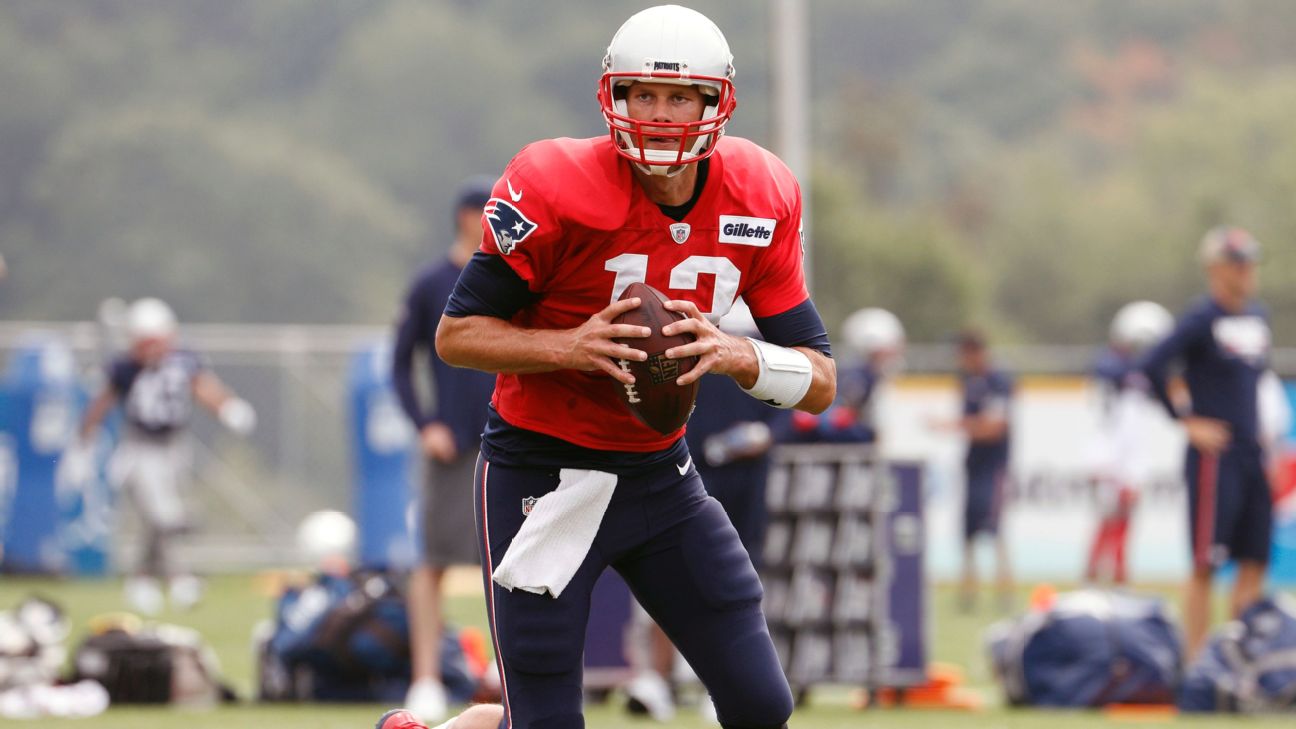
785,374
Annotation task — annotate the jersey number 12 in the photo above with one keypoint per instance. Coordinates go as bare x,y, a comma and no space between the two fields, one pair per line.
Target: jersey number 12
633,267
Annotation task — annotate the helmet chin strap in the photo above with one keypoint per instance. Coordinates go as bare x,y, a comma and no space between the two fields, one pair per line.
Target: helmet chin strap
661,170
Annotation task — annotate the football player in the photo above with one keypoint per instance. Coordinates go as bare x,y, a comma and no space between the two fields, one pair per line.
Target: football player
877,337
448,435
1120,452
986,420
569,481
157,384
1223,341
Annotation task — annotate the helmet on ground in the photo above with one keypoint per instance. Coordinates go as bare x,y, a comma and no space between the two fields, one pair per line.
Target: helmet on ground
326,535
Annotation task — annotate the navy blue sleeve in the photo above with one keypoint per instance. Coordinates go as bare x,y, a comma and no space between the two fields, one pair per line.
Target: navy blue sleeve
488,287
799,326
195,364
1155,363
407,343
121,373
855,386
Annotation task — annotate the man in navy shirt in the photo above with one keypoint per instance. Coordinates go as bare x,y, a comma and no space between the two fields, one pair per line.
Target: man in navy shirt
1222,341
987,402
449,436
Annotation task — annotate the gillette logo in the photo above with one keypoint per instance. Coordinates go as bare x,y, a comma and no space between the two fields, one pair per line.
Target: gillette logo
744,231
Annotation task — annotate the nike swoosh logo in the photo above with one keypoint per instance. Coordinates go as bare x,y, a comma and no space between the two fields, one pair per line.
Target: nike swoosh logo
517,196
684,468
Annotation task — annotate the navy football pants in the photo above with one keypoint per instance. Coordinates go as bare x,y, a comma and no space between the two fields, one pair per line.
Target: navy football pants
1230,506
983,500
740,488
681,557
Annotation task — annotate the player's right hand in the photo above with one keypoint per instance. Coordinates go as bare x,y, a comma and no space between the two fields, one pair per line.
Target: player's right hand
438,442
1208,435
590,346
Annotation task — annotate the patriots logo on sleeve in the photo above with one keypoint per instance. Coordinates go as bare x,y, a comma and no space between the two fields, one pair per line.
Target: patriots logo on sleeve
509,226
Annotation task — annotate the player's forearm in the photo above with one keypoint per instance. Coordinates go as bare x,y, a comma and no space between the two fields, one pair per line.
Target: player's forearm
210,392
491,344
96,413
823,388
983,429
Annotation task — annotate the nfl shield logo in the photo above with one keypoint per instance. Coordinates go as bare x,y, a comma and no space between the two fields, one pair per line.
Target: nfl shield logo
528,504
680,232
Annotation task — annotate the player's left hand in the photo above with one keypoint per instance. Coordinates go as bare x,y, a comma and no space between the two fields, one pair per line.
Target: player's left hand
77,465
718,352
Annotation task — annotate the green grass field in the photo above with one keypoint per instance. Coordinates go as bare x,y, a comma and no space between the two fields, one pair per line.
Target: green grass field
235,603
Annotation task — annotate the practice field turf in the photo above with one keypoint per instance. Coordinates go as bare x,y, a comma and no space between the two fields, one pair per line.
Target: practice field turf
235,603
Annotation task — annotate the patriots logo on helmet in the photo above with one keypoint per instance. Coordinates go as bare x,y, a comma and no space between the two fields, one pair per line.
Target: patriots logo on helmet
508,224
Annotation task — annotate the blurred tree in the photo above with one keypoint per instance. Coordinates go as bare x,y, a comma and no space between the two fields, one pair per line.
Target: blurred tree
865,255
1068,244
1035,164
229,220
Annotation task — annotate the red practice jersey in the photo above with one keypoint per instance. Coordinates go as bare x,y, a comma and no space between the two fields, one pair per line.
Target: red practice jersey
569,217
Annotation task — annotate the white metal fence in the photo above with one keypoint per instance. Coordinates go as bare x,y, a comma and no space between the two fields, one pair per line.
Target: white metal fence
252,494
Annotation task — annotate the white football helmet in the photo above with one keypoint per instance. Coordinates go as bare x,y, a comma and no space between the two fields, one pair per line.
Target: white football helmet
1140,324
326,534
150,318
675,45
872,330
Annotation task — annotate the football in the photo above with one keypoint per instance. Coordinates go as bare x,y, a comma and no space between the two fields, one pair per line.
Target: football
654,398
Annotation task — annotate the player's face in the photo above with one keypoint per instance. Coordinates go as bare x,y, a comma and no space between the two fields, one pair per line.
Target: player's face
664,103
469,221
150,350
888,361
1238,278
972,359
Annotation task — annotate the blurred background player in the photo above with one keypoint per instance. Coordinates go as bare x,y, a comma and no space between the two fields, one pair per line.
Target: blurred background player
987,414
157,384
877,337
449,437
1121,451
730,435
1222,341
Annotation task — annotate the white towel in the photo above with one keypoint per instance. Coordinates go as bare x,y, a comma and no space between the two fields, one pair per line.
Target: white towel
557,534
